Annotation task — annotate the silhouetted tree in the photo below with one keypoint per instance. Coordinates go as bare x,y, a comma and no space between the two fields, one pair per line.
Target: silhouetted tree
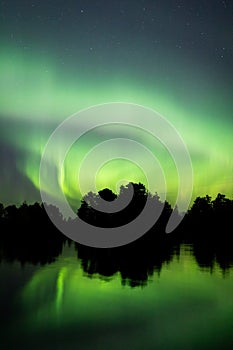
28,235
107,195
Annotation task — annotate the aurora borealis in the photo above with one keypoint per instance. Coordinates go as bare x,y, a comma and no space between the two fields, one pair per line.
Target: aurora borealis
58,57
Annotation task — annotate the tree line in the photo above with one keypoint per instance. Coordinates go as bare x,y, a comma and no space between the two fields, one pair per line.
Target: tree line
28,235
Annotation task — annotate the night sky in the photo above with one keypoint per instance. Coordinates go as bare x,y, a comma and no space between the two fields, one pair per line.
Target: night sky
58,57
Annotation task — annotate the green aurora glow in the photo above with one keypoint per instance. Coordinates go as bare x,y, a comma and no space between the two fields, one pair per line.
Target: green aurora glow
38,95
63,298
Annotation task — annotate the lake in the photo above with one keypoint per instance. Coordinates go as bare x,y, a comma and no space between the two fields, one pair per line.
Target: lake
181,305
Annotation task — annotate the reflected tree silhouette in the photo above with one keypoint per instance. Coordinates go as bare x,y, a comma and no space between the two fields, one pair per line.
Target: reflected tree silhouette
27,235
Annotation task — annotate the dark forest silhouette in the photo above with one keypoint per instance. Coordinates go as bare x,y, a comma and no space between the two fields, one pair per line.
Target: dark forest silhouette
28,235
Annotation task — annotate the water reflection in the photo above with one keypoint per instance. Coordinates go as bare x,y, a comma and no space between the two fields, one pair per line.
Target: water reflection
136,263
60,307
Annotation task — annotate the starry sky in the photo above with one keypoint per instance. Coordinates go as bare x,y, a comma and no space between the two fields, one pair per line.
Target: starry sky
58,57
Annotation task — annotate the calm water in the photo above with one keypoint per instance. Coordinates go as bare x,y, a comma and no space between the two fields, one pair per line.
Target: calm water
57,306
